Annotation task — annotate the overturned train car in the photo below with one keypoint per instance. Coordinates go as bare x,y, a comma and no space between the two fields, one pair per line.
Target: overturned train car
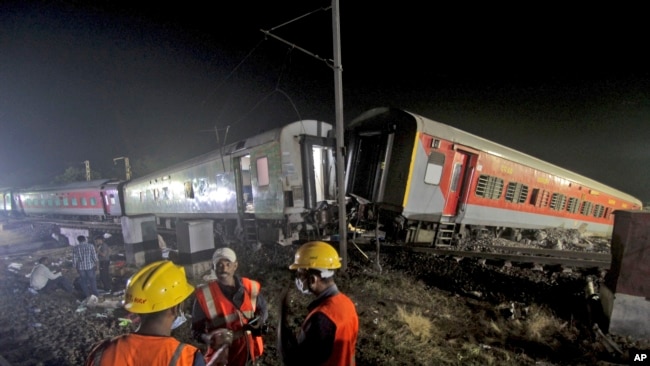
426,182
270,187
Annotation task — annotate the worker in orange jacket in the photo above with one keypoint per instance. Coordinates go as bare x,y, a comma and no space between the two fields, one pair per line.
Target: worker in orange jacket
328,335
156,292
234,303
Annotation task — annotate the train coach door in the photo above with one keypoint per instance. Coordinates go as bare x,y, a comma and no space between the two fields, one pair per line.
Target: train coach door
241,167
319,170
461,172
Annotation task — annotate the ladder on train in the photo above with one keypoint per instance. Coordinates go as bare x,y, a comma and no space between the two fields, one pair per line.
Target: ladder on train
445,234
250,230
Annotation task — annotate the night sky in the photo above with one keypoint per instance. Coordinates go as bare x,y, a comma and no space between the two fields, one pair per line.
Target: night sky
95,82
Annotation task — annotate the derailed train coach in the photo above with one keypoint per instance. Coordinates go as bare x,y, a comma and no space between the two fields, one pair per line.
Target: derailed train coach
266,187
85,200
9,204
428,182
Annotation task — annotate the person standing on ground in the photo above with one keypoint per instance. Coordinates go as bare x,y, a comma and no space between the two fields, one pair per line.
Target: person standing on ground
156,293
234,303
104,256
43,279
84,259
328,335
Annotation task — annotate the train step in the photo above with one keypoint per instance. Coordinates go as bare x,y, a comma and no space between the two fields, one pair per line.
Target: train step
250,231
445,234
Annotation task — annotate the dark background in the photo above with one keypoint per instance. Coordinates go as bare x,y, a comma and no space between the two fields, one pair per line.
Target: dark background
151,82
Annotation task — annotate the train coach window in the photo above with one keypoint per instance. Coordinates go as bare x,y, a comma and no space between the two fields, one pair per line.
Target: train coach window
93,201
573,205
263,172
84,202
558,201
516,192
434,168
189,190
489,187
599,210
73,201
585,208
455,177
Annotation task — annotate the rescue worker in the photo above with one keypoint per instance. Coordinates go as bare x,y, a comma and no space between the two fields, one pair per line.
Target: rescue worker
232,302
328,335
156,292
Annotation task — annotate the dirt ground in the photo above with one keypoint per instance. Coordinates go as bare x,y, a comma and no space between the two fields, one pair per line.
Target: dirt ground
417,310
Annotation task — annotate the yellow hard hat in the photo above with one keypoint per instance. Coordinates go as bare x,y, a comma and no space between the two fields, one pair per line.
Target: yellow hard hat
316,255
155,287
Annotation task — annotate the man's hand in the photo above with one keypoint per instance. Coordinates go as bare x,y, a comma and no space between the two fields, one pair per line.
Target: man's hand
219,337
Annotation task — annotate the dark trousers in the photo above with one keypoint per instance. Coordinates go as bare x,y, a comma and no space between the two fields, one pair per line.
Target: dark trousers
88,279
105,275
59,282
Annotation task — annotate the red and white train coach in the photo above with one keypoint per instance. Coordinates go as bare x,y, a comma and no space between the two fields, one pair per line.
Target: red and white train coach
95,199
434,183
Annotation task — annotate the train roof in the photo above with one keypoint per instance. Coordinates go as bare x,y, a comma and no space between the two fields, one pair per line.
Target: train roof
386,115
231,149
97,183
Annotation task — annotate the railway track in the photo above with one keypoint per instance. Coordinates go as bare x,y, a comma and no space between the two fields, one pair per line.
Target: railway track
511,254
536,256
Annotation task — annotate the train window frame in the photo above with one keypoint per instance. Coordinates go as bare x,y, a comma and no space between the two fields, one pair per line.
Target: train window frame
189,189
435,165
516,192
93,201
573,205
84,201
599,210
263,178
558,202
74,201
489,186
586,208
65,202
455,177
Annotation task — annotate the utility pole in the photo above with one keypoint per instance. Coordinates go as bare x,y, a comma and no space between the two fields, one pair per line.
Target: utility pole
127,166
340,149
339,129
87,163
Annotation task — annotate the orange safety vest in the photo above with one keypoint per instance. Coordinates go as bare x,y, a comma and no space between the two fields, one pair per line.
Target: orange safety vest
223,314
145,350
341,311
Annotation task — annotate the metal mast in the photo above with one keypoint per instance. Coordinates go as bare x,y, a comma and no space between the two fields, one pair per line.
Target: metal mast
340,152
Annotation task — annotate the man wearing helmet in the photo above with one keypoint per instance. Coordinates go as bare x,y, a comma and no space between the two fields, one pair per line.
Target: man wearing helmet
328,334
234,303
156,292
